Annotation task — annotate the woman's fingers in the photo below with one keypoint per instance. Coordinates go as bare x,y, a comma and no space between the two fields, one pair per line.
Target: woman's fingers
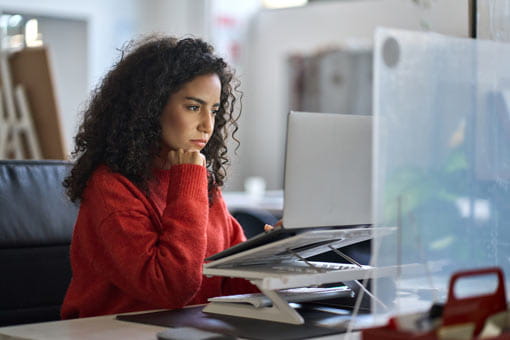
268,227
181,156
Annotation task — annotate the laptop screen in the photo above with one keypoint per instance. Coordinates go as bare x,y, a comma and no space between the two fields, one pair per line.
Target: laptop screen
328,170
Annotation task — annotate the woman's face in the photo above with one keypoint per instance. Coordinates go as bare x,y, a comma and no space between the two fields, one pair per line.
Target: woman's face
187,120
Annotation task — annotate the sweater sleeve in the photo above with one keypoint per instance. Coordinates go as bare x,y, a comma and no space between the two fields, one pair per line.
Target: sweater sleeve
159,260
233,286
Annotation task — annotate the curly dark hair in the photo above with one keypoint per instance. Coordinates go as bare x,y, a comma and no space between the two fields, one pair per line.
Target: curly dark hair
121,125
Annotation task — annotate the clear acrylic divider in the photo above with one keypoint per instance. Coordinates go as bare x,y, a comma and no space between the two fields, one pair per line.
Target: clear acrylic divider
441,164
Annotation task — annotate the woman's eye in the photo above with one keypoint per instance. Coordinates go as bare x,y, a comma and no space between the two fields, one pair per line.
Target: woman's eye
193,107
215,112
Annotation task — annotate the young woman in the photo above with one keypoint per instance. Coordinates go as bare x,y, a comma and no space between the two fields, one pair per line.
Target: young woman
150,161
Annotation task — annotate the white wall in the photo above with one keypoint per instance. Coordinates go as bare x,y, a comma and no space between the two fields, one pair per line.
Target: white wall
66,41
275,34
175,17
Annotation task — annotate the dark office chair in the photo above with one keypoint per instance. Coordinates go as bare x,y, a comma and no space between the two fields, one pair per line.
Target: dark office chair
36,225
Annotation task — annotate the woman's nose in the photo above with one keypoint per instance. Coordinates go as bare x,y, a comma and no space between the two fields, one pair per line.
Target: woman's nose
207,122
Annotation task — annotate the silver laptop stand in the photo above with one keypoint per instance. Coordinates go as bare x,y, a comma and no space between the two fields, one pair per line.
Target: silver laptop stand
270,280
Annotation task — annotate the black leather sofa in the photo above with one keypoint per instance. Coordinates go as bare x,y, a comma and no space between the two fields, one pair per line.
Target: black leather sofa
36,225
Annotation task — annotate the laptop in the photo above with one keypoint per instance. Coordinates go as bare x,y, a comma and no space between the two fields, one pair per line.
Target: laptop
327,196
327,192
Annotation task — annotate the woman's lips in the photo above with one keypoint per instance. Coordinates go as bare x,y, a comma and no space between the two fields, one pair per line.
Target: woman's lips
199,142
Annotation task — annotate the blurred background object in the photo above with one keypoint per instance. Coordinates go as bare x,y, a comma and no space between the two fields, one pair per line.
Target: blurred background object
336,80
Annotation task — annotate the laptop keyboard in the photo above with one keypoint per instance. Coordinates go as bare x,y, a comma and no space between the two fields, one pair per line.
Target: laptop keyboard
290,295
318,267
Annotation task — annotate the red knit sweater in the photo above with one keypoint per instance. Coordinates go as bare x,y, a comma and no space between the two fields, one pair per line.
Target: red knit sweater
132,253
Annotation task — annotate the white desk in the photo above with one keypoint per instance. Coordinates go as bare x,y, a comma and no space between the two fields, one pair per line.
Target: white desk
101,327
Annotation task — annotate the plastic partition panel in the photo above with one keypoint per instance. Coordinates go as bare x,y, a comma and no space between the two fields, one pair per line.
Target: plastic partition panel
441,164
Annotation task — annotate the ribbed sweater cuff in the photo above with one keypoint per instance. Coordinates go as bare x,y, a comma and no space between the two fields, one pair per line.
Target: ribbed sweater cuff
188,180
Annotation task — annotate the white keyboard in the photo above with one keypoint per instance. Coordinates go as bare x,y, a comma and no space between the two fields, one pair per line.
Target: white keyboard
315,267
290,295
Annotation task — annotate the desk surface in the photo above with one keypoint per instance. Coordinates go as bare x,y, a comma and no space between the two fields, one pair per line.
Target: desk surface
101,327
